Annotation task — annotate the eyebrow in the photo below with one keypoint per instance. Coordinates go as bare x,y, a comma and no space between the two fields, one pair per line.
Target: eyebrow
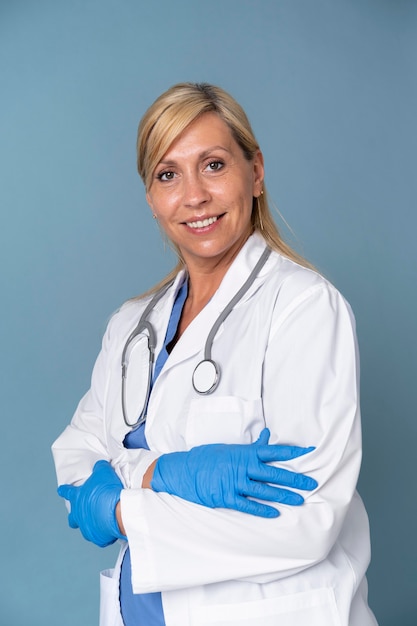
202,155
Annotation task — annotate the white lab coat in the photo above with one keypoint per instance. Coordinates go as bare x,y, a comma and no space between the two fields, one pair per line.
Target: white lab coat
288,359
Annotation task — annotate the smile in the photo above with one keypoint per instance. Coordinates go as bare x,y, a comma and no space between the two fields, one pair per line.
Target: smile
202,223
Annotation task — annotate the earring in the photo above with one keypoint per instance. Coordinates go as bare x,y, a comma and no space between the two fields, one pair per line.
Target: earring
154,216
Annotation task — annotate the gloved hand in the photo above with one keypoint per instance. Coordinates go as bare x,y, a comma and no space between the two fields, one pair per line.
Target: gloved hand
228,475
93,505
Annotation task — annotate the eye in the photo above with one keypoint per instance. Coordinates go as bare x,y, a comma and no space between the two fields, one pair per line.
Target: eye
166,175
214,166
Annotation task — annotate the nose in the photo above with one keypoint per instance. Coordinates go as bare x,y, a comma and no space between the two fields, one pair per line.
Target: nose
195,191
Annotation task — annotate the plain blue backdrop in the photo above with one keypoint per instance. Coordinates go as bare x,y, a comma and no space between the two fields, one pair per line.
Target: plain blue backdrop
330,87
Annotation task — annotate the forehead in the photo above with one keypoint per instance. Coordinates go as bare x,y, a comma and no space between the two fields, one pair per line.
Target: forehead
207,131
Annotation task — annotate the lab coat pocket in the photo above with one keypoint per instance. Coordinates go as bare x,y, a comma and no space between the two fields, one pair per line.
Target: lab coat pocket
223,419
109,599
316,607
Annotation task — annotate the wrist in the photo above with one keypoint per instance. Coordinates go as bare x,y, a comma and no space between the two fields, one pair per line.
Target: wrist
148,475
118,513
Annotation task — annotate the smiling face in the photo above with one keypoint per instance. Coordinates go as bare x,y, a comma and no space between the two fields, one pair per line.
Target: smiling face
202,192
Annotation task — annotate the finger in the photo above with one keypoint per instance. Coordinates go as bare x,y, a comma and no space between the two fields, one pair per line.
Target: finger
66,491
279,452
104,472
102,466
263,491
251,507
71,521
278,476
263,437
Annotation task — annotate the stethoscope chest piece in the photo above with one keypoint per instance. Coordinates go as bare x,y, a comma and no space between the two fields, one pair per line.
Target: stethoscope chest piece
206,377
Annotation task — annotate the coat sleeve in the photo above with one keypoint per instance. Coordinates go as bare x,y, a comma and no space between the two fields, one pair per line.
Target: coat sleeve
85,440
310,386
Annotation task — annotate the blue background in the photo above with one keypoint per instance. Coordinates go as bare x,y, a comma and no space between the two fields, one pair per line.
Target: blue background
330,88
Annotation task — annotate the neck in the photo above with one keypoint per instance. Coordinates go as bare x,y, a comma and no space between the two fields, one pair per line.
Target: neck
206,274
204,280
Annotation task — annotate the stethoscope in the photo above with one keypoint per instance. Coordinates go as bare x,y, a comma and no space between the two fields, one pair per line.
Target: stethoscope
206,375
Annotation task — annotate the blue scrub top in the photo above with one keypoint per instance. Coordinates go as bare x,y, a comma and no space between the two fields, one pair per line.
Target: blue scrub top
146,609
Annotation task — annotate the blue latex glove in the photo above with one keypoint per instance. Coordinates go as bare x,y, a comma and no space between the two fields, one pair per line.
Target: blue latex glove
228,475
93,505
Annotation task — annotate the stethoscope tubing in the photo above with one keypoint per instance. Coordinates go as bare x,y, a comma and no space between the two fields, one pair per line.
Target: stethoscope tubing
206,364
141,326
206,375
231,305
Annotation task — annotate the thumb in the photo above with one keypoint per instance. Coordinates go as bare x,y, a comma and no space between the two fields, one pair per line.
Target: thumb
72,522
69,492
263,437
66,491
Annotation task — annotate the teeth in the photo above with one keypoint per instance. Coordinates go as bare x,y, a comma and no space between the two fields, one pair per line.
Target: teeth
202,223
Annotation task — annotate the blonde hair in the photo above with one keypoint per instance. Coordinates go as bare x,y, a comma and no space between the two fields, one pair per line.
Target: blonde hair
170,115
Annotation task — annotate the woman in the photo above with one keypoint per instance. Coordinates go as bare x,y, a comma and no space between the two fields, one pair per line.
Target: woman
207,489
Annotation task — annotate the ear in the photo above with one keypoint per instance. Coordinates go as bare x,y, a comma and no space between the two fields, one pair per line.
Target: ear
258,173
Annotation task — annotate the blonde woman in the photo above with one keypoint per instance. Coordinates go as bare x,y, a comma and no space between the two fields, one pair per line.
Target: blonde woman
220,439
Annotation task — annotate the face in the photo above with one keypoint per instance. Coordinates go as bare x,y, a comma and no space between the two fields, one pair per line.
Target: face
202,192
